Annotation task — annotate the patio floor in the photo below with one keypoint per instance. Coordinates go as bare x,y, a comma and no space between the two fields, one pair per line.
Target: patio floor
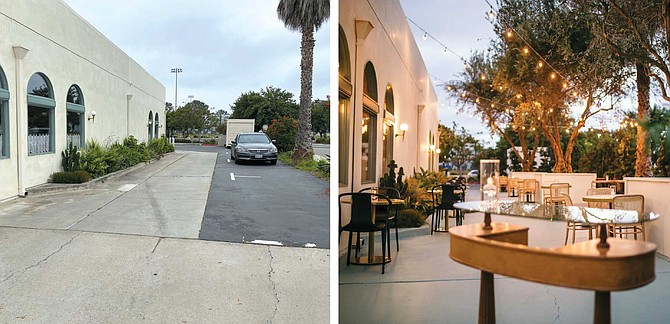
423,285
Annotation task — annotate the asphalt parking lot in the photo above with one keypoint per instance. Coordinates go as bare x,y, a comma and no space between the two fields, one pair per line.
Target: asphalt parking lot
266,204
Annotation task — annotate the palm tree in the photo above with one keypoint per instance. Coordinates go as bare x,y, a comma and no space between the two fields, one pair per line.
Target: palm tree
305,16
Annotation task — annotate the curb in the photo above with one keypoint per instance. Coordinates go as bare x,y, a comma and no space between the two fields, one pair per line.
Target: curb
56,187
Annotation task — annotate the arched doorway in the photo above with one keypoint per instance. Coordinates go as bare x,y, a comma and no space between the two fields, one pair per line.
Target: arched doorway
344,110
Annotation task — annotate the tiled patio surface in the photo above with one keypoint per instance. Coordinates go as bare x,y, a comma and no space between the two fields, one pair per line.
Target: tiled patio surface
423,285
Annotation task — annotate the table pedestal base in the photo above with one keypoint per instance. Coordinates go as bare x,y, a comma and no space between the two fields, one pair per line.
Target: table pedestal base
602,313
487,302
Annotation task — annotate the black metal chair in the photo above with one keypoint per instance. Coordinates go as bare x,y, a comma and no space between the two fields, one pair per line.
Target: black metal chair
442,203
384,214
361,219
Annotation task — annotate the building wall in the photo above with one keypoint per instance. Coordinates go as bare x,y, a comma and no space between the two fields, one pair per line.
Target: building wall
391,48
68,50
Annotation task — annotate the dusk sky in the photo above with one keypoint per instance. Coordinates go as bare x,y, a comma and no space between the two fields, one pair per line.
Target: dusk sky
224,47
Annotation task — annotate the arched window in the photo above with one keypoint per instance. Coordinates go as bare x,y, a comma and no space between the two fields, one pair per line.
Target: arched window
344,112
75,117
388,99
389,128
41,117
344,62
156,124
4,115
150,128
370,82
369,126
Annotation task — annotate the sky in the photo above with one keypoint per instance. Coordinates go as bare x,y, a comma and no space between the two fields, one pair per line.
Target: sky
462,27
224,47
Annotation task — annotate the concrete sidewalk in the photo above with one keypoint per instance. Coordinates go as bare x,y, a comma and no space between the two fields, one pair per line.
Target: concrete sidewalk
423,285
126,251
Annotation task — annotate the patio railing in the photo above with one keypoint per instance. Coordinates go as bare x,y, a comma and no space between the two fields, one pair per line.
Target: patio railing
39,143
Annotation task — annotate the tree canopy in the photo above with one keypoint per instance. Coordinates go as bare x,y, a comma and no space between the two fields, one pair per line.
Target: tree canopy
264,106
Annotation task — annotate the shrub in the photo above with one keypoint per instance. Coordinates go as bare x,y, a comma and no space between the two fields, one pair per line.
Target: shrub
93,159
322,139
71,158
70,177
410,218
159,146
283,130
183,140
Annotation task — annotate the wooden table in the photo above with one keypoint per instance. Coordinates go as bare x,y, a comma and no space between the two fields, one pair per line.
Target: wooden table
602,265
371,258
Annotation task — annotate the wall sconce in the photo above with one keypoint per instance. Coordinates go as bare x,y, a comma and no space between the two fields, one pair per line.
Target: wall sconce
403,129
438,151
92,117
431,148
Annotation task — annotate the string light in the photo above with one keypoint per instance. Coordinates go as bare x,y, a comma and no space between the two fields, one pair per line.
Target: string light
425,35
540,64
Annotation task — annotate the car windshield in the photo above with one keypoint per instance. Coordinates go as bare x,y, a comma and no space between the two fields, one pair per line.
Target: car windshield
254,138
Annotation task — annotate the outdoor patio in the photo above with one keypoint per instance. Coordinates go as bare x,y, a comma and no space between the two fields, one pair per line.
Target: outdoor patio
423,285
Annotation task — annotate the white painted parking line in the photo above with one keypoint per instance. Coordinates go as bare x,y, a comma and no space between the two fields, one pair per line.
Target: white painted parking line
232,176
310,245
228,160
127,187
256,177
266,242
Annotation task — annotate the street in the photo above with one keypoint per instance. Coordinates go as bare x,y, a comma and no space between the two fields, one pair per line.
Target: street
128,249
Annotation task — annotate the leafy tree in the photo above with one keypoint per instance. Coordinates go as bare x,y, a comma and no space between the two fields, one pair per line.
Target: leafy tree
264,106
304,16
194,115
169,117
457,145
283,130
321,117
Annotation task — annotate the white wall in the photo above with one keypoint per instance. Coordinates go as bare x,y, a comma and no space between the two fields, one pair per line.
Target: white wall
655,191
68,50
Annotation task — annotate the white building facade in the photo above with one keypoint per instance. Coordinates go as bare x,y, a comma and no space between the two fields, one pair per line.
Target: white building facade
62,81
383,84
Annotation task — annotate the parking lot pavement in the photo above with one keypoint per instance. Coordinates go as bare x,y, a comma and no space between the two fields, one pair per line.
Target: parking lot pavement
268,204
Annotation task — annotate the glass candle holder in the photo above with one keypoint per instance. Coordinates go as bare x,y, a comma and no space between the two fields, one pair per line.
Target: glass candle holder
489,172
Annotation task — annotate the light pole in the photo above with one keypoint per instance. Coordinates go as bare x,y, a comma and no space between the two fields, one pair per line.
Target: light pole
176,72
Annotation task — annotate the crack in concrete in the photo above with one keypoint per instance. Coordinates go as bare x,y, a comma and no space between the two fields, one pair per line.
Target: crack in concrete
558,308
13,274
274,286
155,246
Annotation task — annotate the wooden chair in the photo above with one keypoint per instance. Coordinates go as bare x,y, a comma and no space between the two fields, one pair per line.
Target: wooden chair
556,191
528,190
503,183
574,226
512,187
629,202
599,191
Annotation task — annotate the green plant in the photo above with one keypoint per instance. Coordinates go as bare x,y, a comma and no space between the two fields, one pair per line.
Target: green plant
93,159
410,218
71,158
284,131
392,180
70,177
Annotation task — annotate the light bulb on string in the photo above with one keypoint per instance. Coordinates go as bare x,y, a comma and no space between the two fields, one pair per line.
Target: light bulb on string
526,50
445,50
553,75
425,35
483,77
509,34
540,64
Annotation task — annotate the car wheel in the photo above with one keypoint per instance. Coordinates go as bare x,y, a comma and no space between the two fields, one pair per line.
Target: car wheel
273,162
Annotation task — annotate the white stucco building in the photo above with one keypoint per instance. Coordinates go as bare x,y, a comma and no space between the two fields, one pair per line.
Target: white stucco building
383,84
56,70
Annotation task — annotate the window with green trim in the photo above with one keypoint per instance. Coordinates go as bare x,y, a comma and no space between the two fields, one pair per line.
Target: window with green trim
75,117
4,115
41,107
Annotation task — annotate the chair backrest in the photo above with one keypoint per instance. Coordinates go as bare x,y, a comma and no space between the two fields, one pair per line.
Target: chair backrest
529,184
566,199
361,209
599,191
512,182
503,180
448,196
629,202
389,192
559,188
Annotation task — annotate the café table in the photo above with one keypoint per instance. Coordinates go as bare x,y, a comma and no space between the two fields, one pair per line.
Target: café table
371,258
602,265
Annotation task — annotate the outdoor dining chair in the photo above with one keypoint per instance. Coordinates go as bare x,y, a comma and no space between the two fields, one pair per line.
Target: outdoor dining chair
528,190
629,202
384,214
443,202
556,191
599,191
564,199
361,219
